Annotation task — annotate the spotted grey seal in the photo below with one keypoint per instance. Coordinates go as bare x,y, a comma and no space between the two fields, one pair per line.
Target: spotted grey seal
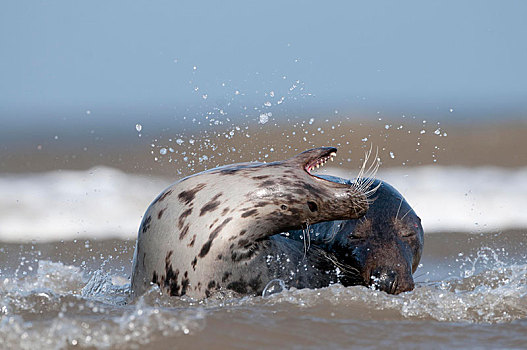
380,250
218,229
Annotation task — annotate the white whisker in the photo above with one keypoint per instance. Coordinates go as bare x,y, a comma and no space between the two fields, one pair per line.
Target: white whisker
408,212
398,209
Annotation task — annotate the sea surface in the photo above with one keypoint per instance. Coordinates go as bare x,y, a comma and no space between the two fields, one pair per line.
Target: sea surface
67,240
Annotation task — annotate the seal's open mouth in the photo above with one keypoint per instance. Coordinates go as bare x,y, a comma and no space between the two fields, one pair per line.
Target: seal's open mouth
318,162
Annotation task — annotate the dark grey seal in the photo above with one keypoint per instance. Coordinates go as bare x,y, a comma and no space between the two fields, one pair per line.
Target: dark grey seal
380,250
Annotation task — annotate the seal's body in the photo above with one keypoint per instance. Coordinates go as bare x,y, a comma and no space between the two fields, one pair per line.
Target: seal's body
382,249
213,229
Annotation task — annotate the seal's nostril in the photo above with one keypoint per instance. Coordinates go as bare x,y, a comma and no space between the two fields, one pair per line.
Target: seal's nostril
312,206
385,280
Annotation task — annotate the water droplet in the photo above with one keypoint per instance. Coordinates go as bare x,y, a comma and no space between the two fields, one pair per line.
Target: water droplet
138,127
273,287
264,118
163,151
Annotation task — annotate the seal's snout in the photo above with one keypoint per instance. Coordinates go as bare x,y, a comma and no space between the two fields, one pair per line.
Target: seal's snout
390,281
314,158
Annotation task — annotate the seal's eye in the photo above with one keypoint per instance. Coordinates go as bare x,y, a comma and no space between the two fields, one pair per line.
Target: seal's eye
312,206
283,207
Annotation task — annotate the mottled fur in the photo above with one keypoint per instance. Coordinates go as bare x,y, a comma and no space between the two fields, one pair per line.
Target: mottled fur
215,229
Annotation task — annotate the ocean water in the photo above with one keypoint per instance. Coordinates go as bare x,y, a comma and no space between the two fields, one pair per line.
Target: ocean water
107,203
67,240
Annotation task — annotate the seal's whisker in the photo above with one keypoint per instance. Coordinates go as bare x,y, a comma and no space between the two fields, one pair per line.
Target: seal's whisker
307,239
398,209
366,176
348,269
364,163
408,212
333,234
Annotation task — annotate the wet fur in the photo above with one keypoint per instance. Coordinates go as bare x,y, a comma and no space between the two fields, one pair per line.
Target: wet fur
216,229
381,249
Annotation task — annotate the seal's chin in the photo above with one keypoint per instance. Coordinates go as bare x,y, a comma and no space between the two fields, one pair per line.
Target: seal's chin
318,162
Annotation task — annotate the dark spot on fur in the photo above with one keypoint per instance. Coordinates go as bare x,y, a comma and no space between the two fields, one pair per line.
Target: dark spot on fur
171,276
267,183
238,286
244,243
230,171
226,276
220,256
183,216
184,232
211,205
191,244
189,195
168,256
284,182
225,211
184,286
299,192
213,223
319,191
206,247
160,214
261,177
211,284
312,206
255,283
250,213
250,250
154,277
164,195
242,232
193,263
146,224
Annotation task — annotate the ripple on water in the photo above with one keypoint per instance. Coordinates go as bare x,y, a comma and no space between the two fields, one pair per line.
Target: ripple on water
62,305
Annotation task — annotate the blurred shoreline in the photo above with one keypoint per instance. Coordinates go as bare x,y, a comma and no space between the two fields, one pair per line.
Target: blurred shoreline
179,152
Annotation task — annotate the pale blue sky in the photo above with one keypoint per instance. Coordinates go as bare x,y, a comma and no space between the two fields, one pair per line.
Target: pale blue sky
123,57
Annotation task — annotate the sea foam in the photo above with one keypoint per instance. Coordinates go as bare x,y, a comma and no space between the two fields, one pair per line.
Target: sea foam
107,203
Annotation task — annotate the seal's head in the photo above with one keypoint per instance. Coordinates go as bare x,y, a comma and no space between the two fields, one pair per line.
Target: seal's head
292,193
380,250
384,247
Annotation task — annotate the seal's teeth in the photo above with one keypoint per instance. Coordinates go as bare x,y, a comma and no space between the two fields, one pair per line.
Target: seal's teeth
332,154
318,165
331,159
